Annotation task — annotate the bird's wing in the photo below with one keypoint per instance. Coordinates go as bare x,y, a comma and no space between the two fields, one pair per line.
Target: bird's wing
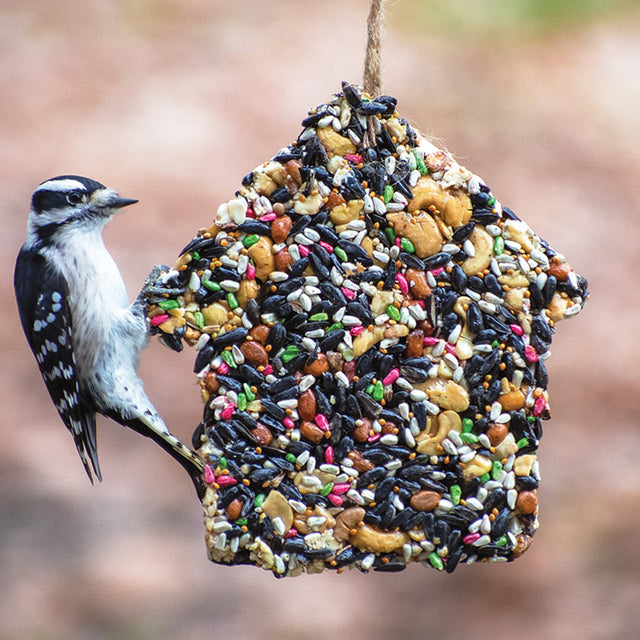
42,295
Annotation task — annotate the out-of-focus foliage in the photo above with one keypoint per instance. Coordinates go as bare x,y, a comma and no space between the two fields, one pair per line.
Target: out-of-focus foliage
507,18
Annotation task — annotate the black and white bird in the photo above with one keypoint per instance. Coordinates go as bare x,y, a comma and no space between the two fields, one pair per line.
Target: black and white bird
85,335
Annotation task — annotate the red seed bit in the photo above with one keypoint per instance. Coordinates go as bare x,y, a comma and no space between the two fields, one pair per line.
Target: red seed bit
322,422
251,272
289,423
430,341
226,480
530,354
304,251
227,412
223,368
326,245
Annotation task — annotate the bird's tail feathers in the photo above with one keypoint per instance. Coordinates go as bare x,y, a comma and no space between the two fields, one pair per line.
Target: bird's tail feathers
84,435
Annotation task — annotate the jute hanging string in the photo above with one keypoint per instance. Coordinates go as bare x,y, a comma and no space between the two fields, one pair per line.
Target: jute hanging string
372,77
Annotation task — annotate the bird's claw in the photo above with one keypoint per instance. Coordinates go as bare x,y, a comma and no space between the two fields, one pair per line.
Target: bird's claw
152,289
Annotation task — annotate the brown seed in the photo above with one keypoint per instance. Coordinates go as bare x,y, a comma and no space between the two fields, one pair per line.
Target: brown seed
560,270
527,502
255,353
293,172
262,435
425,500
307,405
335,360
349,369
280,228
346,521
311,431
234,509
334,200
425,326
361,433
360,463
260,333
496,434
388,427
278,208
415,343
282,260
211,382
318,366
418,283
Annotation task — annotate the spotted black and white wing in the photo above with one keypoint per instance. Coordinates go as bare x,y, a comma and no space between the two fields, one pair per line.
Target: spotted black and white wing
42,296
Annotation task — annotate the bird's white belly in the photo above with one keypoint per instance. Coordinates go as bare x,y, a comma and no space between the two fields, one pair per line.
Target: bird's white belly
98,301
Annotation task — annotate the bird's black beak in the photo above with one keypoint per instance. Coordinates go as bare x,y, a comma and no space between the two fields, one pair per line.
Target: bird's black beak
118,202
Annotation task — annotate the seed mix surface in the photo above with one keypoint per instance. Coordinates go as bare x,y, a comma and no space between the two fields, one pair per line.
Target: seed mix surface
371,328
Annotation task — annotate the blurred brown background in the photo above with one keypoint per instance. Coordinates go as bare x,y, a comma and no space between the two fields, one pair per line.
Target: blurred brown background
172,102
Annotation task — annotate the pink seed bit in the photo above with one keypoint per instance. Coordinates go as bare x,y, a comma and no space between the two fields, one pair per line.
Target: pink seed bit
268,217
335,500
539,406
326,245
158,320
251,272
471,538
391,377
340,488
403,283
289,423
223,368
304,251
322,422
517,329
349,294
449,348
356,331
430,341
227,412
209,476
530,354
328,455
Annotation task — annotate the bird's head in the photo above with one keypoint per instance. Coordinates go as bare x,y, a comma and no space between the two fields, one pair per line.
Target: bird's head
71,200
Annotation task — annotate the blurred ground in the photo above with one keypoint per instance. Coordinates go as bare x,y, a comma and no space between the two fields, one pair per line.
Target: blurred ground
172,103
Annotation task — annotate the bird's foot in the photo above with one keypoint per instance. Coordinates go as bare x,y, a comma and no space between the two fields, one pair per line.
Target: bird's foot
155,286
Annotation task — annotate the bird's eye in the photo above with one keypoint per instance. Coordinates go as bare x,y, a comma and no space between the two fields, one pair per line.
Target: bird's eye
75,197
